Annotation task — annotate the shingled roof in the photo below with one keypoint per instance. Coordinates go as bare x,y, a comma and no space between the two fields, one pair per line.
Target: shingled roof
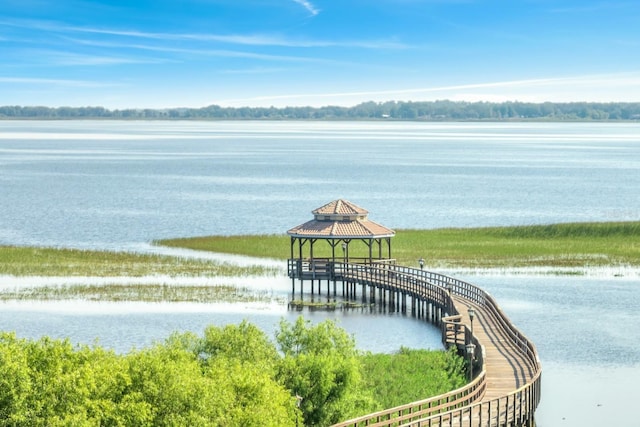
341,219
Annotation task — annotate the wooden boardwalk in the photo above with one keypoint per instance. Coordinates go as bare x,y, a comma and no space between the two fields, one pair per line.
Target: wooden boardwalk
505,390
506,366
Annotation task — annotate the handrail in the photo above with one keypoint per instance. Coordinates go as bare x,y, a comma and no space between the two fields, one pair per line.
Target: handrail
415,411
515,408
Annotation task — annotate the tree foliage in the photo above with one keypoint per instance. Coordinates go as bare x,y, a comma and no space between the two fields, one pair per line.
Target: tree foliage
176,383
321,366
230,376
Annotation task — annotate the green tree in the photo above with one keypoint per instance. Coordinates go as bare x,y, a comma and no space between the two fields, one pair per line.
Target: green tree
245,343
241,361
322,368
15,382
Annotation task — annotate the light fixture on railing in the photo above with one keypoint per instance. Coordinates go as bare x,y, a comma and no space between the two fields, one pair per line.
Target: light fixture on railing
471,348
472,314
421,262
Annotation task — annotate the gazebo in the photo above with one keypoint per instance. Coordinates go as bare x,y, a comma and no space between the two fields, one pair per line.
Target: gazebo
338,223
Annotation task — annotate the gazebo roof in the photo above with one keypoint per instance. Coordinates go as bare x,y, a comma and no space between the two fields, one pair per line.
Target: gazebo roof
341,219
340,207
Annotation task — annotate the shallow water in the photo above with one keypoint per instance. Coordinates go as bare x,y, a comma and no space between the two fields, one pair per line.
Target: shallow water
119,185
116,185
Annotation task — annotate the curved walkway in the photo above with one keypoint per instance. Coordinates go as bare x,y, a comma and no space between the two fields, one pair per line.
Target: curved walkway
506,388
507,367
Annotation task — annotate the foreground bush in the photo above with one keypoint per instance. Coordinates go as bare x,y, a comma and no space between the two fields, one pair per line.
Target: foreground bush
230,376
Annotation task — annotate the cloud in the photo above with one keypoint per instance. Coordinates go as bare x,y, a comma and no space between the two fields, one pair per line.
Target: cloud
55,82
62,58
239,39
309,6
165,49
619,87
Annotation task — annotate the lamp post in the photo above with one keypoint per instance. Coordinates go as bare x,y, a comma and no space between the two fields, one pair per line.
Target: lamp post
472,314
421,262
471,348
344,251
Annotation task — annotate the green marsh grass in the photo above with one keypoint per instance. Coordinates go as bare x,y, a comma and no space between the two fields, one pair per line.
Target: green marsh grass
557,245
275,246
410,375
145,293
35,261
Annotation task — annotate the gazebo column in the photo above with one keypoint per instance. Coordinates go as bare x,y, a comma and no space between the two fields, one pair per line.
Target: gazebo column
300,245
333,244
312,266
294,267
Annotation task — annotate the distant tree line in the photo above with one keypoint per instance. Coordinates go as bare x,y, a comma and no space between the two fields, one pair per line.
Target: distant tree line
391,110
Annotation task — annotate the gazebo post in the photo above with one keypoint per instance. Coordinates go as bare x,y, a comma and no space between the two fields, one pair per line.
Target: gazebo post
292,268
301,243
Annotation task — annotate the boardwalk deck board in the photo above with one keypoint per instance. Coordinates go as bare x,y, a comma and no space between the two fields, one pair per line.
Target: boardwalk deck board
507,368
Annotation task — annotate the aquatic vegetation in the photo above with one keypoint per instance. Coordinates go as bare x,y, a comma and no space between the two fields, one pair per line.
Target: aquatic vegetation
133,292
556,245
42,261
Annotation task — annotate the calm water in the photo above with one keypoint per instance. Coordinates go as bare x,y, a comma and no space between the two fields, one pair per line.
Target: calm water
119,185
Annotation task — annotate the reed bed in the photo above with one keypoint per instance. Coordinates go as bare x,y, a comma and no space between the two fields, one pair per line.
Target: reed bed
143,293
556,245
36,261
263,245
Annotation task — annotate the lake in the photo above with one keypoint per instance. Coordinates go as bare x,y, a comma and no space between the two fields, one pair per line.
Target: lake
119,185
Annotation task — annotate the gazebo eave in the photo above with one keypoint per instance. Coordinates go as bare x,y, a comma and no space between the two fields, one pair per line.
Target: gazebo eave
340,237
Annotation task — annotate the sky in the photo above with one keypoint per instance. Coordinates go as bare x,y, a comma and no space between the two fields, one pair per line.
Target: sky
261,53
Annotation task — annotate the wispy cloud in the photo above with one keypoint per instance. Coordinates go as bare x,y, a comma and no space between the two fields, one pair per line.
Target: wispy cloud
163,48
245,39
56,82
255,70
309,6
238,39
62,58
530,90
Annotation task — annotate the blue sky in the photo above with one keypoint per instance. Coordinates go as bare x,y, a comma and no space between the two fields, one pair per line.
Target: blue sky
193,53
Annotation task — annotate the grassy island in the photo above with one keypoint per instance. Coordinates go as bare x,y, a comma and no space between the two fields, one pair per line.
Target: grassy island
556,245
36,261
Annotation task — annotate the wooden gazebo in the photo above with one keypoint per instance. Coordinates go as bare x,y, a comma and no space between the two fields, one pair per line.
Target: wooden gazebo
337,224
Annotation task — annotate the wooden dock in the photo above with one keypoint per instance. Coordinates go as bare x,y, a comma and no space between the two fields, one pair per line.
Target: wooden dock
505,389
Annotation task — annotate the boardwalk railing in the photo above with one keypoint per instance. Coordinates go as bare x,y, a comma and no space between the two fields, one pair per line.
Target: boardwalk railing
465,406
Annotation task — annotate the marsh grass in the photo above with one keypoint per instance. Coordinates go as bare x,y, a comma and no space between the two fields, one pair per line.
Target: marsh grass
556,245
328,306
36,261
144,293
262,245
410,375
